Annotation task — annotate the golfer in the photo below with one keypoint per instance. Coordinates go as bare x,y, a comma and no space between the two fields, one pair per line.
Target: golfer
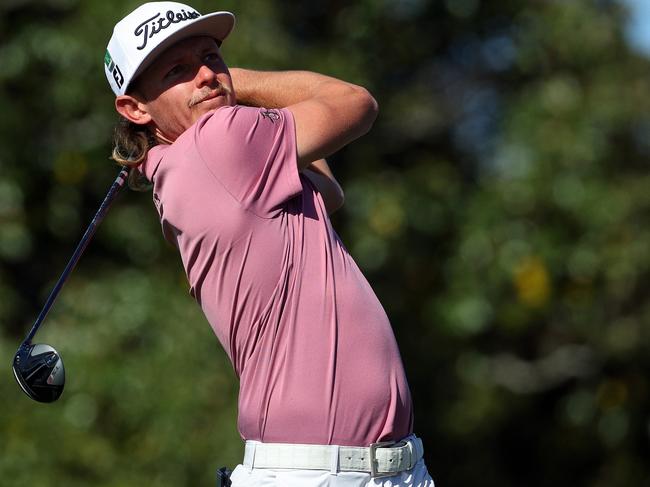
235,159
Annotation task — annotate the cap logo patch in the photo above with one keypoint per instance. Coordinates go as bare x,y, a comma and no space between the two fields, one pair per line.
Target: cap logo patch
158,22
113,69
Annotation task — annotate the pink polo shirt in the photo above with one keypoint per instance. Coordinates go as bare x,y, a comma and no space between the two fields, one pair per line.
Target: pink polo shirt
312,346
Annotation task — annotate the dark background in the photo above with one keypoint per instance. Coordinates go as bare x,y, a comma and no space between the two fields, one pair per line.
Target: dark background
499,207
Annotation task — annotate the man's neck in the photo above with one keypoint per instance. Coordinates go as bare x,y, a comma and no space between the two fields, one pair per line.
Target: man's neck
162,139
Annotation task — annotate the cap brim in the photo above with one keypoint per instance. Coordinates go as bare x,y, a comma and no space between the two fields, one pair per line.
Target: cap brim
217,25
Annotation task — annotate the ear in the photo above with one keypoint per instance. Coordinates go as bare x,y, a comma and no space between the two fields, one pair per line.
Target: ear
132,109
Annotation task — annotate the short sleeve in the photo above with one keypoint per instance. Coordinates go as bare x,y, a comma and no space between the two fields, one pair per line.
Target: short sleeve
252,152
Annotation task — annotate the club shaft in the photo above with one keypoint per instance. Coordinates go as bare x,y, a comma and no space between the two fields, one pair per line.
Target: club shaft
117,185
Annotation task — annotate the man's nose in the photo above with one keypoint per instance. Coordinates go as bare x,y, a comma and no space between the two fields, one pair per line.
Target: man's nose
205,76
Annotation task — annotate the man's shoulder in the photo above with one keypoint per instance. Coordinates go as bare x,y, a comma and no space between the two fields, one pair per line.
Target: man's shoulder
238,121
245,112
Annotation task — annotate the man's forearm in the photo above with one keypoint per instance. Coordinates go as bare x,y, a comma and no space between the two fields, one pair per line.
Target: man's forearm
279,89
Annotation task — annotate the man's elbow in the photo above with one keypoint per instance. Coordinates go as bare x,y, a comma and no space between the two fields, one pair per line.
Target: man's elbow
369,109
336,201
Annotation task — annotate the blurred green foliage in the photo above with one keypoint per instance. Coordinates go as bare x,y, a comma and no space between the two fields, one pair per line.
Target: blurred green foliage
499,208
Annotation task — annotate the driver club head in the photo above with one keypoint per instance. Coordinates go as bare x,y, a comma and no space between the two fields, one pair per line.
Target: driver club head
39,371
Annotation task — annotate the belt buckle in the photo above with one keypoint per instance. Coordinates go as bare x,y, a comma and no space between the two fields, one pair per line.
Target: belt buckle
374,462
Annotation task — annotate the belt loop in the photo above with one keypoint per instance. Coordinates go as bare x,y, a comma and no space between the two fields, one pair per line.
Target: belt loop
249,460
410,445
416,451
334,459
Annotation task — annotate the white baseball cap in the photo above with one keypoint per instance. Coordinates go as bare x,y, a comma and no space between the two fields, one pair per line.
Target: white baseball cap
150,29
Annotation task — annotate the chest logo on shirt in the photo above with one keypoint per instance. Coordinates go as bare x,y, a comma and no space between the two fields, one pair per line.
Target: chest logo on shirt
272,115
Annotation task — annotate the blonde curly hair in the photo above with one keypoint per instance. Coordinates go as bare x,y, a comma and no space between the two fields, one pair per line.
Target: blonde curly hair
131,143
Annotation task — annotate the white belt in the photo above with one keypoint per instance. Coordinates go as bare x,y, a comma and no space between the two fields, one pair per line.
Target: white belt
379,459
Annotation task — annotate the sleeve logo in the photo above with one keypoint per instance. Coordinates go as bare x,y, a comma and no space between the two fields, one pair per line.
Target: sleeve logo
272,115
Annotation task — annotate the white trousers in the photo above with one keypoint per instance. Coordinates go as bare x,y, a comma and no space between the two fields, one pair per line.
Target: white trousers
268,477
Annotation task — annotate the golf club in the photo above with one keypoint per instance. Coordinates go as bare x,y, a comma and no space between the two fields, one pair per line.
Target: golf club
38,368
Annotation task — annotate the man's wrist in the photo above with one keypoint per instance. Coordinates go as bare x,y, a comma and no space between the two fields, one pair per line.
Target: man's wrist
242,83
276,89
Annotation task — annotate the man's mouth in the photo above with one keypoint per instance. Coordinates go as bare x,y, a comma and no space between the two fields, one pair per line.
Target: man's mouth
206,95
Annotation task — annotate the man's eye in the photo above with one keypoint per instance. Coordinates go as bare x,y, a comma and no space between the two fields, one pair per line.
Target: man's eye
211,58
176,70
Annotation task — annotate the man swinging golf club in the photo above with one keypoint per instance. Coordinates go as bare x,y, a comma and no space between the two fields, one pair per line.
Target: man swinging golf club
235,158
